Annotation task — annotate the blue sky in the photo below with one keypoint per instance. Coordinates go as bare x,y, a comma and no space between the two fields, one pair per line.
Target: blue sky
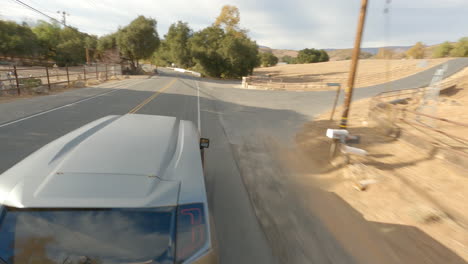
291,24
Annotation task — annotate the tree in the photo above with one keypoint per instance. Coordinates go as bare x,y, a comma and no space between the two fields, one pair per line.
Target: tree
71,47
223,49
443,50
48,35
106,42
460,48
17,40
288,59
323,56
417,51
229,18
312,56
267,59
138,40
223,54
176,44
205,45
240,55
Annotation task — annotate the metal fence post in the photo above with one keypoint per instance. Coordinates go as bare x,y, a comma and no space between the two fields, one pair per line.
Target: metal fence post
48,79
97,77
68,76
84,72
16,78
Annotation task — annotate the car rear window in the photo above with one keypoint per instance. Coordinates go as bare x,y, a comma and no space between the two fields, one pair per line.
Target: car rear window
70,236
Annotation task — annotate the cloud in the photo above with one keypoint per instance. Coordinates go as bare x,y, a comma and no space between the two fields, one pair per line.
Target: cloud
293,24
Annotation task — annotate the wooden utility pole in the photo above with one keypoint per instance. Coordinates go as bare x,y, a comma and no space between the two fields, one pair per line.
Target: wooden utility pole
354,64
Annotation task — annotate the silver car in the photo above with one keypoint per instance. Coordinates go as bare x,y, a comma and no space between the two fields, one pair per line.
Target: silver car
122,189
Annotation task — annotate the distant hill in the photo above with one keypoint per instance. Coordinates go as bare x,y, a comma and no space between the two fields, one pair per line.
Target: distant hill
373,51
345,54
278,52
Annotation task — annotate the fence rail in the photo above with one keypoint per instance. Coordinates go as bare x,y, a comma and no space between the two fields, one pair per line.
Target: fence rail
14,79
410,117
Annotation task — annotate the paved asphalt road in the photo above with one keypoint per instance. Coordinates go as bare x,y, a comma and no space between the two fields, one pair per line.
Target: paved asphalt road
235,120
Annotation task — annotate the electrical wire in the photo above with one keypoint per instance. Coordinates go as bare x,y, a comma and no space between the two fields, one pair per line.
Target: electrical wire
45,10
38,11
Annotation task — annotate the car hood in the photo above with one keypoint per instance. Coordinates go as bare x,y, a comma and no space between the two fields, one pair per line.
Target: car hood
114,161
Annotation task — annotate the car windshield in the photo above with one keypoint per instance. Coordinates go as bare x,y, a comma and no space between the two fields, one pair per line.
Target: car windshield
86,235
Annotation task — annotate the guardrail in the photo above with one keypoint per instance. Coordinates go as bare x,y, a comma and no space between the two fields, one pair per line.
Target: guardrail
13,79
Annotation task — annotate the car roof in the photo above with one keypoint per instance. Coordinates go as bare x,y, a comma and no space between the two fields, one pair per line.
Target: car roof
116,161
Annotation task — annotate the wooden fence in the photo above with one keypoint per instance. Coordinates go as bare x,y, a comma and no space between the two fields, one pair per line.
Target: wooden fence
14,79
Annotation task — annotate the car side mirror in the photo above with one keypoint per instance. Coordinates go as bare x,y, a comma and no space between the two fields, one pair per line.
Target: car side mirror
204,143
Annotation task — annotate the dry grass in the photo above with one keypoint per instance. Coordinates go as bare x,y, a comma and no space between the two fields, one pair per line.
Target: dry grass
412,187
370,72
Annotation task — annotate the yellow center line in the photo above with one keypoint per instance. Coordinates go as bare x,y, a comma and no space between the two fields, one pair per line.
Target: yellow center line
149,99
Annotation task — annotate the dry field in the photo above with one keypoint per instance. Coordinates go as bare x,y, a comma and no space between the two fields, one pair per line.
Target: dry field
370,72
415,197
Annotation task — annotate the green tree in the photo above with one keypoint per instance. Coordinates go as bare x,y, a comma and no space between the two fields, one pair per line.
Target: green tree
176,44
312,56
71,49
48,36
223,54
138,40
17,40
288,59
443,50
223,49
460,48
205,45
161,56
267,59
240,55
323,56
106,42
417,51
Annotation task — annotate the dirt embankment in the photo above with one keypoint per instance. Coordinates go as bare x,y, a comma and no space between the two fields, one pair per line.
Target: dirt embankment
415,198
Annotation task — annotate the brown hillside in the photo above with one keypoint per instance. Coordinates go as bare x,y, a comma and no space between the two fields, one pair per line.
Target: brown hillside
279,52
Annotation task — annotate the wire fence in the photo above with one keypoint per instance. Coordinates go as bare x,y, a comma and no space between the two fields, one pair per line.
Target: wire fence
397,106
16,80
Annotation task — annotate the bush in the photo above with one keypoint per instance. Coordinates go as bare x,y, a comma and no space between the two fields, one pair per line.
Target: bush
30,82
417,51
442,50
312,56
268,59
460,49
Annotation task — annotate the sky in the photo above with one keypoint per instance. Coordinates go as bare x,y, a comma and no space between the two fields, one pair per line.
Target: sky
285,24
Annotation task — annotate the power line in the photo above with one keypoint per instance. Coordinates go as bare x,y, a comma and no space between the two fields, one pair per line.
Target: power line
38,11
43,8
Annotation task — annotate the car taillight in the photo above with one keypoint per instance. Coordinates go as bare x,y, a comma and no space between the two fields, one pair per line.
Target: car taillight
191,230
